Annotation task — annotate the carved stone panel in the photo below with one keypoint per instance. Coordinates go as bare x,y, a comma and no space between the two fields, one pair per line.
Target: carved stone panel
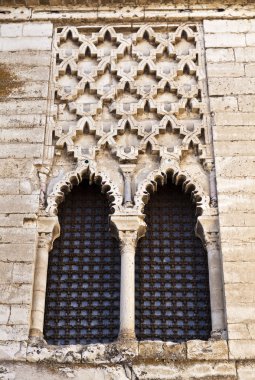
131,103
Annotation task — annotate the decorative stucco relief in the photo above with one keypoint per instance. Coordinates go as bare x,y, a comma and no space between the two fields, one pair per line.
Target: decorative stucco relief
130,105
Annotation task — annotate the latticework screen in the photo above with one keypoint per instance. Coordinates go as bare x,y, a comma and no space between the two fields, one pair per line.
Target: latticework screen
172,285
82,301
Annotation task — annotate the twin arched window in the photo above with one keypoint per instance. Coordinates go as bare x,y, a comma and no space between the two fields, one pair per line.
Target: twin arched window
83,286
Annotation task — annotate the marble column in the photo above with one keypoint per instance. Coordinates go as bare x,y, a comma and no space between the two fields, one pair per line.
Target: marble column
127,285
48,230
128,229
216,285
40,282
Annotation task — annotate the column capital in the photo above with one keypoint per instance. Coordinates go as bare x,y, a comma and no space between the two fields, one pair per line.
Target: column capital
128,240
48,230
128,226
45,240
207,229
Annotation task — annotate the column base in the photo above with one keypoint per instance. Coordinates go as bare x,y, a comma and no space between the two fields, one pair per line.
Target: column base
126,336
219,334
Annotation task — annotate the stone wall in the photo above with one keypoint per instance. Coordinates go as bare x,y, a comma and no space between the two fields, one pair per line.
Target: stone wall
230,48
25,62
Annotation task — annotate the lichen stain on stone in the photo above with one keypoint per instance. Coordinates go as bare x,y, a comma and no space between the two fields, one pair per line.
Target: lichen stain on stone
8,81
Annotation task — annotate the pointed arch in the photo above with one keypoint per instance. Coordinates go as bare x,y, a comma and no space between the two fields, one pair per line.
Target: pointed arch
82,296
170,167
89,170
172,280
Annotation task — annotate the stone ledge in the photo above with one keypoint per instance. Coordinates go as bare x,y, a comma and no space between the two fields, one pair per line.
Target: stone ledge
129,352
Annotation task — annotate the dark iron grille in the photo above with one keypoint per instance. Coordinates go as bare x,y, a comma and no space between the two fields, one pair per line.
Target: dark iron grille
82,300
172,285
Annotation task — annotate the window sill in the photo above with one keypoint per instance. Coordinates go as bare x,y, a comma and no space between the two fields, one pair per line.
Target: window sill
130,351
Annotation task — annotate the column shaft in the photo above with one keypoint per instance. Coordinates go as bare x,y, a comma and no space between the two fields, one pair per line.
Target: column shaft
127,289
216,287
39,291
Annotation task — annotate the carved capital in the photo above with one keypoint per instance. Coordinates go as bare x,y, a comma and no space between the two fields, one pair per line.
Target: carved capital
207,229
48,230
45,240
128,241
128,226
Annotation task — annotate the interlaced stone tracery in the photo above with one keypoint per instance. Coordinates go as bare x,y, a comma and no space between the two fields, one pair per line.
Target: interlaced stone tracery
129,90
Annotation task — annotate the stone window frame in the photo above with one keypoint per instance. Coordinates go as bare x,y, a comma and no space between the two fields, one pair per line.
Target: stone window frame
128,228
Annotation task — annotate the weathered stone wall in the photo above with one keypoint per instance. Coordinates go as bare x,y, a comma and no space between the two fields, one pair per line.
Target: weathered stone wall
25,61
24,70
230,49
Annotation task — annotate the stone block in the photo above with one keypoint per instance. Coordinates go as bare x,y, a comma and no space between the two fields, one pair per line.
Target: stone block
26,187
246,54
19,315
11,220
239,291
64,354
245,370
229,26
174,351
228,86
94,353
246,103
224,104
225,40
24,135
27,89
22,121
220,55
14,235
38,29
237,219
151,349
34,59
251,328
239,272
234,148
9,186
233,133
244,251
235,118
236,202
23,273
238,331
27,107
18,252
6,272
32,74
240,312
13,333
25,43
242,349
15,168
16,293
234,167
4,314
250,70
21,151
250,39
226,69
186,371
10,350
11,30
207,350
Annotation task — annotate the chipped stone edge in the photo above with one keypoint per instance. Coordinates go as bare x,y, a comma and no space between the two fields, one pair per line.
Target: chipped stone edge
119,352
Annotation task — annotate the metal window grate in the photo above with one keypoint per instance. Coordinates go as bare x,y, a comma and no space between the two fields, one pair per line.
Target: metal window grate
82,300
172,285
